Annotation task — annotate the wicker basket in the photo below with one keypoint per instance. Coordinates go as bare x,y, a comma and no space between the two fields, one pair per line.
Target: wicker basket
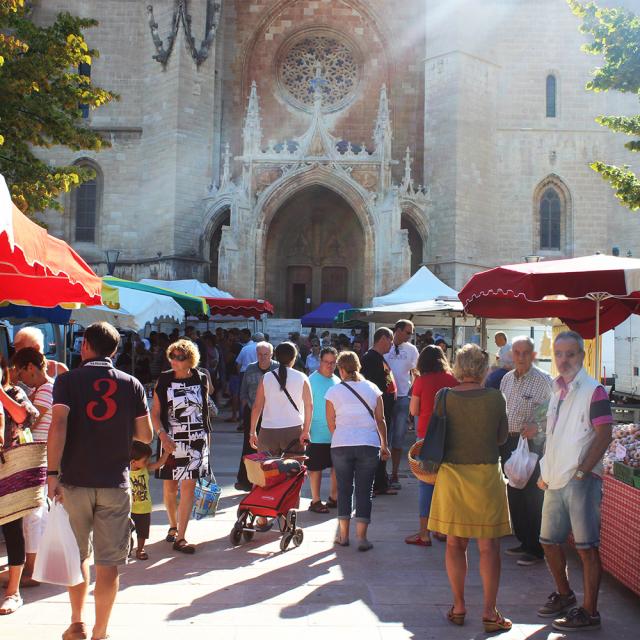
416,465
23,476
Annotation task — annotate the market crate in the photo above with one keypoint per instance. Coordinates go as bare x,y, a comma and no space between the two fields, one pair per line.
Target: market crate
620,533
625,473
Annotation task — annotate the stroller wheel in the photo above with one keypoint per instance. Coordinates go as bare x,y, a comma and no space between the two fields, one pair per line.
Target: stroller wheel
248,535
297,537
285,540
291,520
235,535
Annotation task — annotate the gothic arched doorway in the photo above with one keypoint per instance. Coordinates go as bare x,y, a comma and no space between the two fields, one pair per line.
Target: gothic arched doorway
314,253
214,247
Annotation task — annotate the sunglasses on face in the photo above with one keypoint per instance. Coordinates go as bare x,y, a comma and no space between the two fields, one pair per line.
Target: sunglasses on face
180,357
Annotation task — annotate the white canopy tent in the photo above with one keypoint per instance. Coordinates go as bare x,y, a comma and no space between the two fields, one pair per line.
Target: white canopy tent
137,308
192,287
422,286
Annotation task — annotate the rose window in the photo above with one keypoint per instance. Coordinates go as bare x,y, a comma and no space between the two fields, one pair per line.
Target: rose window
339,71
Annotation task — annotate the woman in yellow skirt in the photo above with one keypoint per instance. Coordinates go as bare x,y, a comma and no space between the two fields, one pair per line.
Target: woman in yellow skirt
470,497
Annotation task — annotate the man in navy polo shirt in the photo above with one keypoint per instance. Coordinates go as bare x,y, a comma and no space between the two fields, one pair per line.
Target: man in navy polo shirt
97,412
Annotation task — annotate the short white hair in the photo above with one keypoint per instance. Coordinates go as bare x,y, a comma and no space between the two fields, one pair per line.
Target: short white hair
526,339
32,334
571,335
264,344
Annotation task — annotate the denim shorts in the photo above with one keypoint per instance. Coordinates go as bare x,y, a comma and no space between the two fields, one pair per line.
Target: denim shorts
398,427
574,508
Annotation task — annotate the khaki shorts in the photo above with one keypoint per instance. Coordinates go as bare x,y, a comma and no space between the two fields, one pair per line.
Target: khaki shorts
105,512
275,441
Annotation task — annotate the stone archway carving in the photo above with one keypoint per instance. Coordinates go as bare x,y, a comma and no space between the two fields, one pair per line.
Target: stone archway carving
272,200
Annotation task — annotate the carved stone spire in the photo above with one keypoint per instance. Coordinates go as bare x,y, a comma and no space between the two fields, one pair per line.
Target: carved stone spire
252,131
407,180
382,133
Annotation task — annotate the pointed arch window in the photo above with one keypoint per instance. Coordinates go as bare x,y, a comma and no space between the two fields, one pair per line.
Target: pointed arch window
551,95
85,205
550,219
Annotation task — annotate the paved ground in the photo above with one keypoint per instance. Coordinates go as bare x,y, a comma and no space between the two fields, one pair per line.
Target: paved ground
392,592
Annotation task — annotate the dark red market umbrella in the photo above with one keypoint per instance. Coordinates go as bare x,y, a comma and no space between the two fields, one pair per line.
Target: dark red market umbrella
591,294
239,307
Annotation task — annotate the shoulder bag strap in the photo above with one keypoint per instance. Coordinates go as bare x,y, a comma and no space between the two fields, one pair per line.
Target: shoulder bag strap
357,395
286,393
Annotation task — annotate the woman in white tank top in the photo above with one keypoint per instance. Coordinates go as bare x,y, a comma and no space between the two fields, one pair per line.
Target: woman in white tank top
283,408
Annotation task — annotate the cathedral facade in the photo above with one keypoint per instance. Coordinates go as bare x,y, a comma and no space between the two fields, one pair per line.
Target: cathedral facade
322,150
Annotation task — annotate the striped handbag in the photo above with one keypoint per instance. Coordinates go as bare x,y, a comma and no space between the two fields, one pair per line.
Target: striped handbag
23,479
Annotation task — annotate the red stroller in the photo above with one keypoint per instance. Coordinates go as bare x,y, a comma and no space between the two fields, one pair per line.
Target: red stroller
280,502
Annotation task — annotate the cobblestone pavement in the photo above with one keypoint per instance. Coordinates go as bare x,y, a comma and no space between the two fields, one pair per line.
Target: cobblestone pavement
392,592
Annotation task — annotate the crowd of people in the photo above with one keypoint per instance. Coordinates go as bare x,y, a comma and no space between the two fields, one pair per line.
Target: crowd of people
347,405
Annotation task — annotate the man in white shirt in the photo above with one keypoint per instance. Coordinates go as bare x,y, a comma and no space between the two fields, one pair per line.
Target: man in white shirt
249,353
578,434
402,359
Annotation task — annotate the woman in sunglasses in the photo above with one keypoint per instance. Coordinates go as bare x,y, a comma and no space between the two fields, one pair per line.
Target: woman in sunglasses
180,418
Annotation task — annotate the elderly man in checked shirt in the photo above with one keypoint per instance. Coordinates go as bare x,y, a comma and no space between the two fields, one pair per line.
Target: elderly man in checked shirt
527,390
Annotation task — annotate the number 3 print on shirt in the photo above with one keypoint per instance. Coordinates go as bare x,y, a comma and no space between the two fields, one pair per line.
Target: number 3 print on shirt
109,406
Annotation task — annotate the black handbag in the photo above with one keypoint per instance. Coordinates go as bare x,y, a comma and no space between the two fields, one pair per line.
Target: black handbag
432,450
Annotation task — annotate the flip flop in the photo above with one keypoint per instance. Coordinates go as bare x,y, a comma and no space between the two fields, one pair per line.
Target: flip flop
417,540
11,604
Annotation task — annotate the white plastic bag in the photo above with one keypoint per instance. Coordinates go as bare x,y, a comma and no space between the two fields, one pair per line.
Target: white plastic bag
520,465
58,559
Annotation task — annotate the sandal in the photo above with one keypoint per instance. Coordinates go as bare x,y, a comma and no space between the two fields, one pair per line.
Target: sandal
183,546
456,618
331,503
318,507
417,540
11,604
141,554
172,534
500,623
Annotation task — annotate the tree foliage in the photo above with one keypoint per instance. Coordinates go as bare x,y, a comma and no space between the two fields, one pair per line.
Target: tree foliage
42,93
615,36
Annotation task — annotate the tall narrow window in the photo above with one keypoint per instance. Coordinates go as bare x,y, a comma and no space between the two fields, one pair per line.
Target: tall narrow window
86,197
550,216
84,69
551,96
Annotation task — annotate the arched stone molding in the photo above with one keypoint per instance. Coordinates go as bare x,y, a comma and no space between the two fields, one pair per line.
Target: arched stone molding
273,198
272,14
418,218
566,217
214,212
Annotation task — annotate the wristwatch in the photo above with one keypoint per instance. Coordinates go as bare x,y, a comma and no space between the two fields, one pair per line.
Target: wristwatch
580,474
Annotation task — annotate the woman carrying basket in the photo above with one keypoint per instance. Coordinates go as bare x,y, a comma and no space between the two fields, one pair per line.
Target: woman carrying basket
284,401
470,496
16,415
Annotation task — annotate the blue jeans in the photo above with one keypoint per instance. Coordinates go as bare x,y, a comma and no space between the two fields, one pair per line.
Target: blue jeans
574,508
425,493
398,426
355,465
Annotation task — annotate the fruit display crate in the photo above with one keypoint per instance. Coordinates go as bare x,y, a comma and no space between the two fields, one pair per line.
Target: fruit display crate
625,473
620,534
